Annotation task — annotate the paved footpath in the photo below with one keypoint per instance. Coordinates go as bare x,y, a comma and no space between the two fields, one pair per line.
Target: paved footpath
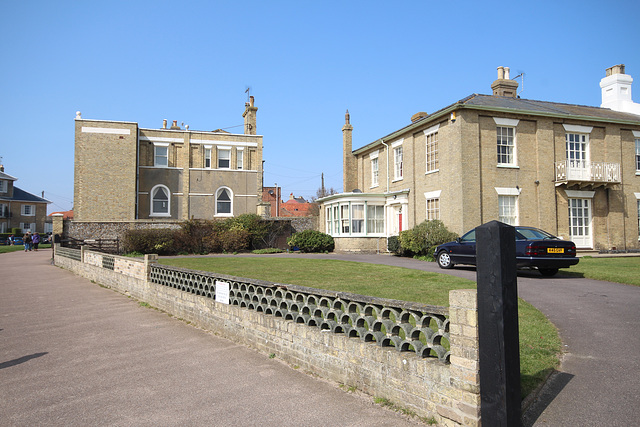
75,354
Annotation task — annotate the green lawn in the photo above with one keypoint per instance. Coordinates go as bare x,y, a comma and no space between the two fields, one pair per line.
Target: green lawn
6,249
618,269
539,342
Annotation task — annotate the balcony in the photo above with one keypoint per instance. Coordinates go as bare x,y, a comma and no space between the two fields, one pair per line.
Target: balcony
587,174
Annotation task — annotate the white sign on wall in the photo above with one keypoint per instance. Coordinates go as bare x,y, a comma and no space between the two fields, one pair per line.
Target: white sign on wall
222,292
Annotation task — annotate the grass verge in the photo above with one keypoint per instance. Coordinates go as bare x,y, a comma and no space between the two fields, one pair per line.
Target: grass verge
539,342
615,269
16,248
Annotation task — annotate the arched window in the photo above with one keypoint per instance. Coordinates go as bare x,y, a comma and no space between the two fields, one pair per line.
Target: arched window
224,202
160,201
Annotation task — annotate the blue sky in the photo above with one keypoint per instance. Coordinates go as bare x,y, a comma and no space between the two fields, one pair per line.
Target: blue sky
306,63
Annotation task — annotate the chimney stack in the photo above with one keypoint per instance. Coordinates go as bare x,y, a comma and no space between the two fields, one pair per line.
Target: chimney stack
504,86
250,117
616,91
164,124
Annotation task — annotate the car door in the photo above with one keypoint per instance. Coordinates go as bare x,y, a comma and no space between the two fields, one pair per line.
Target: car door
465,250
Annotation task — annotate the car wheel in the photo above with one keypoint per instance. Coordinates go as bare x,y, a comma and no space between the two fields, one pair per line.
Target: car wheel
444,260
548,272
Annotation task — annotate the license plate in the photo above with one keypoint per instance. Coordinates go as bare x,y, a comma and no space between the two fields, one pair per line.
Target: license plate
555,250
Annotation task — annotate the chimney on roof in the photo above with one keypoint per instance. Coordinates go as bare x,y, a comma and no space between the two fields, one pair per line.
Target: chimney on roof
504,86
164,123
174,125
249,115
291,196
616,91
417,116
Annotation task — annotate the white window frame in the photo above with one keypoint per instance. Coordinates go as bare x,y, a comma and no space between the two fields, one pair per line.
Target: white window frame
227,157
328,220
375,219
358,218
152,193
638,156
375,169
508,209
28,210
4,186
207,156
509,193
240,158
432,205
638,200
398,160
508,149
159,146
28,226
230,194
431,149
4,211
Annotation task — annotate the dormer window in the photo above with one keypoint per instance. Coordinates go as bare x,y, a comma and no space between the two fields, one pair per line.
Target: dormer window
4,186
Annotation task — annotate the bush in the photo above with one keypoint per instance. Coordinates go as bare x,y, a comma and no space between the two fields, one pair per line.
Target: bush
257,228
421,239
155,241
312,241
393,245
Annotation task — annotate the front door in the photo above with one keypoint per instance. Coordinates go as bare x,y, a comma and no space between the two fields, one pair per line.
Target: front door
580,222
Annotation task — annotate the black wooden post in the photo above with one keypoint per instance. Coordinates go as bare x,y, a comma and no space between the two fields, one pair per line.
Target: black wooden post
498,325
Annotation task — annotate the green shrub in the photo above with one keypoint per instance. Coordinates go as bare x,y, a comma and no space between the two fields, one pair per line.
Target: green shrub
256,226
311,241
423,237
393,245
154,241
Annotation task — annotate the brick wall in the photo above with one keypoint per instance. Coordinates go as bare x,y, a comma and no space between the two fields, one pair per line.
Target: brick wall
447,392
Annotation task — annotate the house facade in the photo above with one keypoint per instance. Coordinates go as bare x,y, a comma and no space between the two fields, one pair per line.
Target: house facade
569,169
124,172
20,209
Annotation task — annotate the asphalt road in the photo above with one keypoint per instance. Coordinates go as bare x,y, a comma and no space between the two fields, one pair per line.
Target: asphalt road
75,354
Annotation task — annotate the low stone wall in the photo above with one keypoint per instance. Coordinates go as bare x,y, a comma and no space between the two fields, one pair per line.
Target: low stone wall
262,315
373,245
111,230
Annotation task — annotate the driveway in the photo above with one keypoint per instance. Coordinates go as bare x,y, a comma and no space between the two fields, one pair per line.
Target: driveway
599,323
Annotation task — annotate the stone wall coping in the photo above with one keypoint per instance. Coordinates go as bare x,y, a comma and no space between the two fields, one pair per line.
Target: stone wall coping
406,305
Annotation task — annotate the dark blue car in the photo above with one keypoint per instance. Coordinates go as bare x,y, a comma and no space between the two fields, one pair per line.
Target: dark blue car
535,249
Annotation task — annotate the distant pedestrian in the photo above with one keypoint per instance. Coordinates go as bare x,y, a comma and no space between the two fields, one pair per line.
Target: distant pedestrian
35,240
11,240
27,241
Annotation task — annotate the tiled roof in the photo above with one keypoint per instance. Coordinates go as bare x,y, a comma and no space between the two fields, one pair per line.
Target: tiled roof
522,106
20,195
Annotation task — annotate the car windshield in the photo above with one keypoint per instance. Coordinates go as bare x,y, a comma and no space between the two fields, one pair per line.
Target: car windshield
532,234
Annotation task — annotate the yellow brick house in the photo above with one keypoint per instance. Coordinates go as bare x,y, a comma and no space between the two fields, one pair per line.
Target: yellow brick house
124,172
569,169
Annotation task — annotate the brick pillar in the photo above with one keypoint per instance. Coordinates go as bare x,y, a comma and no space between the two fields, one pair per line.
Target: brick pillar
58,224
465,366
149,259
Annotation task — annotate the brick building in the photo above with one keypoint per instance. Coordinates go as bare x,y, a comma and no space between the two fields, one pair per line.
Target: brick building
569,169
20,209
124,172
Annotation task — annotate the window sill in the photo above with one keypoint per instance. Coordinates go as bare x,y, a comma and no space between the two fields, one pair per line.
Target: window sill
374,186
638,174
158,215
397,179
223,215
507,166
431,172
